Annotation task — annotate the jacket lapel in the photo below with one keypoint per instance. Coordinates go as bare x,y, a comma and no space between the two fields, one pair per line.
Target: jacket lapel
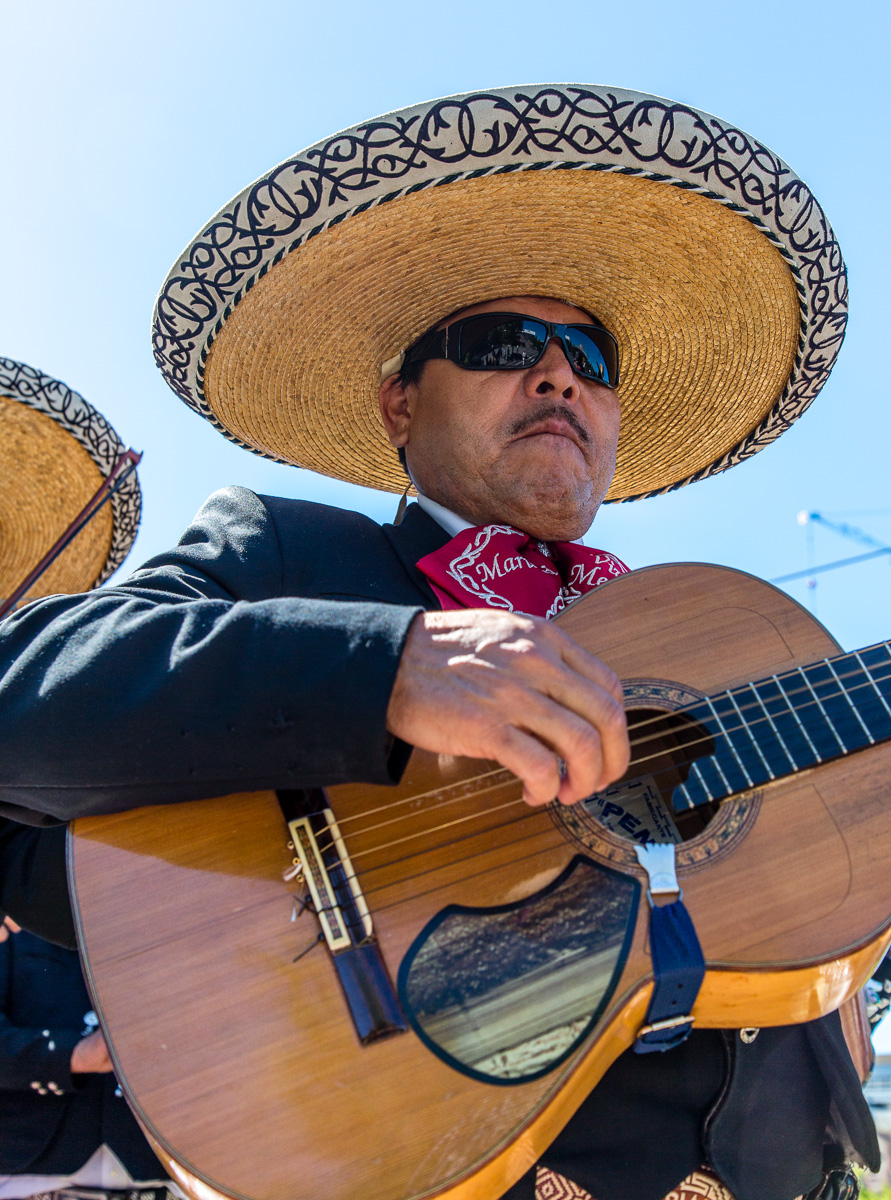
418,535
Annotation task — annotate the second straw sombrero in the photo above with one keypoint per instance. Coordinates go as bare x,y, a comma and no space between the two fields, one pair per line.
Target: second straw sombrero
55,452
699,248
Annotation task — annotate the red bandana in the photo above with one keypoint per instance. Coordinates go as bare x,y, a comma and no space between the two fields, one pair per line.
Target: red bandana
496,566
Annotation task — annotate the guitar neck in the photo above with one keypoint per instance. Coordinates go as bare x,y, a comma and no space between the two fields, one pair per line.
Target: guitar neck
775,727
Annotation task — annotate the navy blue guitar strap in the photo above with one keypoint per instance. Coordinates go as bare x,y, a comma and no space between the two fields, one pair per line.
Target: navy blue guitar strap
678,964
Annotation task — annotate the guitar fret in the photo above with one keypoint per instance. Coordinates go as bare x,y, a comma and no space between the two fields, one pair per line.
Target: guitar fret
872,682
717,765
747,725
851,703
682,787
804,732
694,767
729,742
710,767
878,659
819,703
836,685
885,648
776,726
774,729
784,723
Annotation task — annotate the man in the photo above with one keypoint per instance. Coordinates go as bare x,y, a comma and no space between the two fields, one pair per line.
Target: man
56,450
535,450
63,1122
536,446
243,641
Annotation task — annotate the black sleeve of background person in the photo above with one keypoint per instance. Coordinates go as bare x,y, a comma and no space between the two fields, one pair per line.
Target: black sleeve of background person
33,881
199,677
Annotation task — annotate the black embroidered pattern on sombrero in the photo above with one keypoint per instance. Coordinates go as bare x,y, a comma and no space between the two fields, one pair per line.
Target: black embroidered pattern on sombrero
496,133
91,430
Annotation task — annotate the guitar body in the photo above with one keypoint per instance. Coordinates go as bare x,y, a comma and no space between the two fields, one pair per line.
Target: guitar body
244,1065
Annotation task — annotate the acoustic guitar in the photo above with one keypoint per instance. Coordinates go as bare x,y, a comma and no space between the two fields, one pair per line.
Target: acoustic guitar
403,992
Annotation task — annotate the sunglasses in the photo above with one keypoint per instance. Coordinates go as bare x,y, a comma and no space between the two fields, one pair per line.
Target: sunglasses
512,342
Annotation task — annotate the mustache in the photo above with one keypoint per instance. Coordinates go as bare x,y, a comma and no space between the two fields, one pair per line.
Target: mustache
545,413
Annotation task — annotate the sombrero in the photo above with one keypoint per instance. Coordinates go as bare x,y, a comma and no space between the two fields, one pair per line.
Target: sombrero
55,452
705,255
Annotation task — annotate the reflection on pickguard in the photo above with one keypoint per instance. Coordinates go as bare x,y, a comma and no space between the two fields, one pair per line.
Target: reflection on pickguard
504,994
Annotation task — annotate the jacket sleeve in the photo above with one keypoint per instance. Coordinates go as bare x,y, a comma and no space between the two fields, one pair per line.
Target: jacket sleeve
33,881
32,1059
195,678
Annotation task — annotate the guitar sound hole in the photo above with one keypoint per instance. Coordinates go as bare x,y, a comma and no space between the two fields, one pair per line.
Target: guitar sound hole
649,803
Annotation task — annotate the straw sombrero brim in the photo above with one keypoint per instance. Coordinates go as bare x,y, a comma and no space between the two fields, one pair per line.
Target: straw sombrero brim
701,251
55,452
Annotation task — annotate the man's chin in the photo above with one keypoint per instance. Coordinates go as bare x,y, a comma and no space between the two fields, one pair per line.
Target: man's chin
551,515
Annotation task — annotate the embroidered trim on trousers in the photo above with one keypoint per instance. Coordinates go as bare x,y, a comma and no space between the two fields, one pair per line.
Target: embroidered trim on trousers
700,1185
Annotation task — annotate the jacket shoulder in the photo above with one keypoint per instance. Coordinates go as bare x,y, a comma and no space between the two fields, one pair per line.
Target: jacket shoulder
329,551
308,517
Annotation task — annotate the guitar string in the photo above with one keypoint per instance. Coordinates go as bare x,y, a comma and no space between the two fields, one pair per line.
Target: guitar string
529,814
531,811
755,706
721,738
541,812
475,816
487,849
468,837
872,680
509,778
482,852
673,768
458,882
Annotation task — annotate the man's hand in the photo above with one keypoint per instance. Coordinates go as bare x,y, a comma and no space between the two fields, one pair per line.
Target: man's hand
90,1055
496,685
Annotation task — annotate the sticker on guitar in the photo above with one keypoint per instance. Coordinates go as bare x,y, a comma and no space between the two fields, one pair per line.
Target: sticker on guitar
635,809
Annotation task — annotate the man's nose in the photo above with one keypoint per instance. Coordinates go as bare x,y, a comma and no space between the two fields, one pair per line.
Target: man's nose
552,375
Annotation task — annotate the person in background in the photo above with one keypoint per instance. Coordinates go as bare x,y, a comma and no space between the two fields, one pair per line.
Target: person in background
65,1128
34,883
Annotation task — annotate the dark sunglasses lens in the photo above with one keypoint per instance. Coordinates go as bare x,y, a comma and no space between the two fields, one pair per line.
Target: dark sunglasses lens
490,342
593,354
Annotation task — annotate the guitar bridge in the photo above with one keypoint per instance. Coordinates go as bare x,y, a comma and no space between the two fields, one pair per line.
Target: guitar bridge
343,915
318,880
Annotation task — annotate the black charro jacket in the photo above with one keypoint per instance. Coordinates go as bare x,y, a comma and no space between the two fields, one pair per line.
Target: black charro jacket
33,883
260,653
50,1121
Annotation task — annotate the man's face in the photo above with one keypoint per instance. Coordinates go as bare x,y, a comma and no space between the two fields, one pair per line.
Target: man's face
533,448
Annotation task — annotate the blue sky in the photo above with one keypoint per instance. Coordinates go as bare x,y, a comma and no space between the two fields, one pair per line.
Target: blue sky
125,126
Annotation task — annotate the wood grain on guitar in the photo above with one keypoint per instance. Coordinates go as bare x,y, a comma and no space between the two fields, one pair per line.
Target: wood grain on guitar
244,1065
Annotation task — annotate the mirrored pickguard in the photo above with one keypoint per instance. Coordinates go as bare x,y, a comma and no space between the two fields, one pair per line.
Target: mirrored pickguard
505,994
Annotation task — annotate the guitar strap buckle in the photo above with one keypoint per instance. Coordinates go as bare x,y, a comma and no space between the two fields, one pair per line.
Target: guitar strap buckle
678,962
669,1023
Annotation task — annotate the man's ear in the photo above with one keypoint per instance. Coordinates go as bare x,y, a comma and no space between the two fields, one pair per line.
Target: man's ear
395,412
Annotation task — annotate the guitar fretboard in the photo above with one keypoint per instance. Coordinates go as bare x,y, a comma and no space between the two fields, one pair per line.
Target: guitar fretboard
786,723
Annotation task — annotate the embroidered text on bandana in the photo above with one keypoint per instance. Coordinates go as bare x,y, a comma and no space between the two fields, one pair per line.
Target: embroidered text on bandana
497,566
